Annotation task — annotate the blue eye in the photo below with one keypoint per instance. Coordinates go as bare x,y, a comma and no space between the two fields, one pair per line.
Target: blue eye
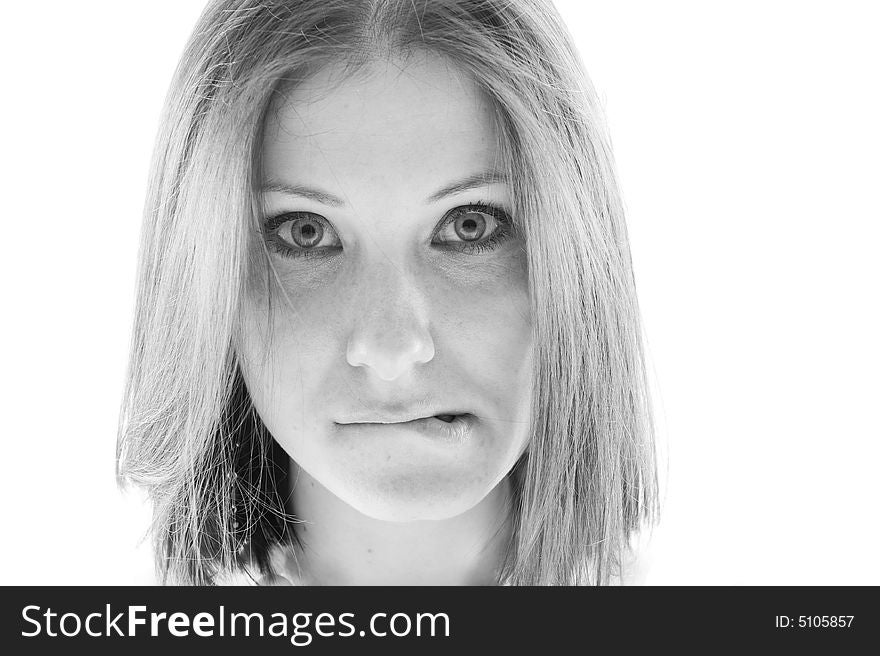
474,228
297,234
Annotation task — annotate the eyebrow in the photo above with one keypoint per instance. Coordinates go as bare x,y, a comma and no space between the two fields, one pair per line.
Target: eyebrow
304,192
319,195
471,182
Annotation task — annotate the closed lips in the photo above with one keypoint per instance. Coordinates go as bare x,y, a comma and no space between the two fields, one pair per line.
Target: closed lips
447,417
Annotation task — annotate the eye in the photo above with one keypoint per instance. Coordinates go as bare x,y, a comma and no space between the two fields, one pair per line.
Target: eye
297,234
474,228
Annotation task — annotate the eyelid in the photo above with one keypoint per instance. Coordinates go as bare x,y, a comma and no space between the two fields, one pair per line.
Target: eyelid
495,211
273,222
272,225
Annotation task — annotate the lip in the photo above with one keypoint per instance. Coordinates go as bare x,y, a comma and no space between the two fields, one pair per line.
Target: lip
453,433
399,413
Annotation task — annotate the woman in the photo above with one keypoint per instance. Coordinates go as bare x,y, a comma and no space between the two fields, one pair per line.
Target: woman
386,327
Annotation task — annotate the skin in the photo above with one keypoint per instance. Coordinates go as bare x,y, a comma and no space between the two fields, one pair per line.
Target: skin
387,316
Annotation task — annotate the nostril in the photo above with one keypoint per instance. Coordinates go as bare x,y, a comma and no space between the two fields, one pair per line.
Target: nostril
389,354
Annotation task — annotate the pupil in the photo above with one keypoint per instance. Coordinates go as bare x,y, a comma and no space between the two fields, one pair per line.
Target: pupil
471,226
307,234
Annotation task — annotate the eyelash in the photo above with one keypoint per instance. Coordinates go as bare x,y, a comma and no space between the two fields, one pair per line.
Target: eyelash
501,234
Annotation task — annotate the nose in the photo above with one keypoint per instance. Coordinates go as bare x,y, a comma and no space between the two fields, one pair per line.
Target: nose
390,333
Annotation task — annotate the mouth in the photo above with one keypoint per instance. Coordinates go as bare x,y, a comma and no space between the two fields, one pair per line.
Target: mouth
445,417
445,428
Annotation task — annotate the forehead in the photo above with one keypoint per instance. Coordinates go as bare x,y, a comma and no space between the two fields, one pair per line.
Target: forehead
390,122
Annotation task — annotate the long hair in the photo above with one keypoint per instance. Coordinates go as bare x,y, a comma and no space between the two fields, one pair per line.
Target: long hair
188,432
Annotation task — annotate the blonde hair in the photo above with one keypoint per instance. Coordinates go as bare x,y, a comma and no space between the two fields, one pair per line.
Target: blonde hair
188,432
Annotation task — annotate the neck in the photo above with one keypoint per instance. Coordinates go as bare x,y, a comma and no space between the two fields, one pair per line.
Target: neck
342,546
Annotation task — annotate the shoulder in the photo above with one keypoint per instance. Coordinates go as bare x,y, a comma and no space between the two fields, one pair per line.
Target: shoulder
283,565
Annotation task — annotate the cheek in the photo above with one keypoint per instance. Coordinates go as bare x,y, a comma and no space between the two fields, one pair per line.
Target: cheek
484,327
483,332
280,358
288,323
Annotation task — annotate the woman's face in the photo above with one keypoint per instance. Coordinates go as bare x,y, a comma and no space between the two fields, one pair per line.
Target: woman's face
393,363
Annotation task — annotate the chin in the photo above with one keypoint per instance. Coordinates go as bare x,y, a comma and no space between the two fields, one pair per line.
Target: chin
414,497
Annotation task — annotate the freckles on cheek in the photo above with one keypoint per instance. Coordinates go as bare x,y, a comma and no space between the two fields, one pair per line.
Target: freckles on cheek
286,339
287,372
492,343
300,310
488,318
493,295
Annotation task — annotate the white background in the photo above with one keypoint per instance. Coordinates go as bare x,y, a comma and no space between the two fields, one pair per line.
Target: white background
749,152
